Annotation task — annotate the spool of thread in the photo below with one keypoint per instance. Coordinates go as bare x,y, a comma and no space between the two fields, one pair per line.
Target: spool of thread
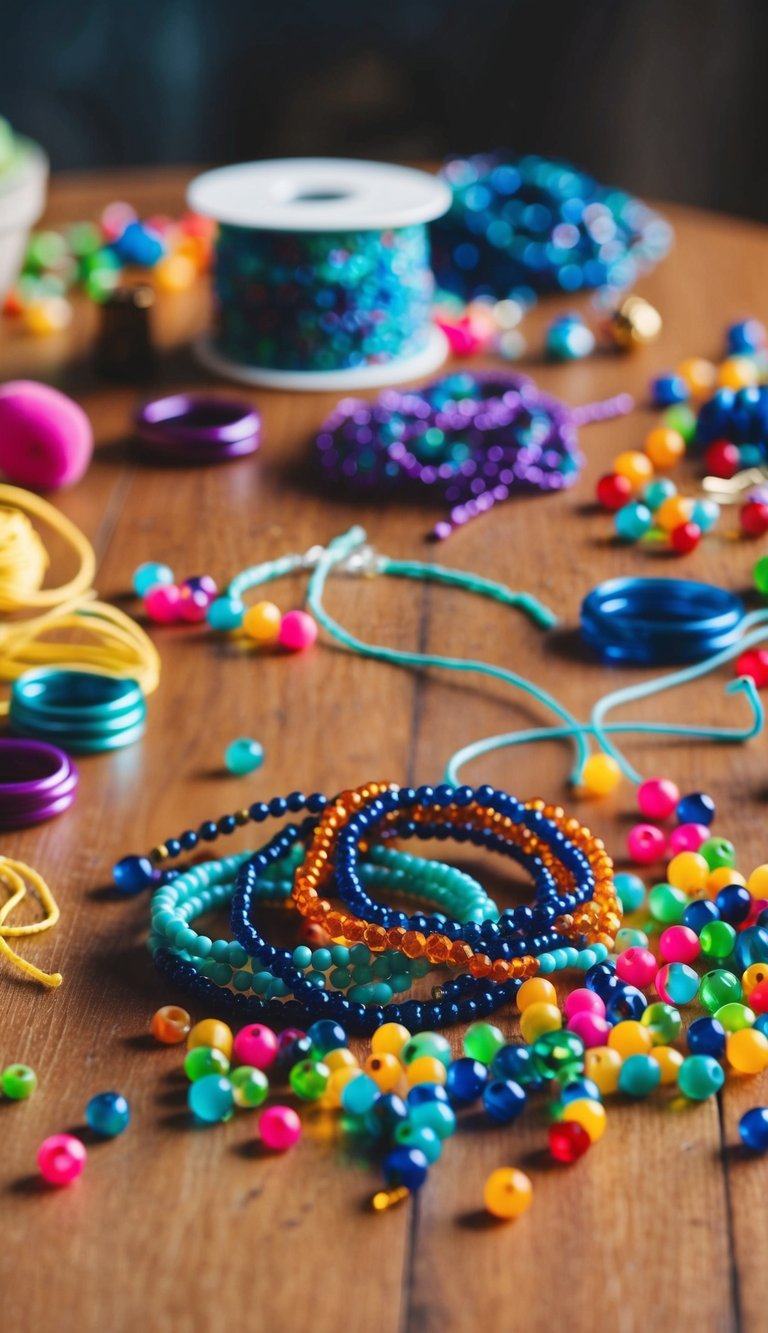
84,711
37,781
46,440
321,273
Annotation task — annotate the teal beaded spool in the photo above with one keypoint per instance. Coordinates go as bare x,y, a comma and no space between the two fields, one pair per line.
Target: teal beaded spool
321,272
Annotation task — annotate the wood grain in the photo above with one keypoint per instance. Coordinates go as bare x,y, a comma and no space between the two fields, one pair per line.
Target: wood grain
187,1229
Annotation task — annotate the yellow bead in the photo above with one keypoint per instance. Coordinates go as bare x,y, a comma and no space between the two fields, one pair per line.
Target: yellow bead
590,1115
49,314
385,1070
721,878
664,446
536,990
738,372
601,775
754,976
630,1038
389,1039
669,1061
262,622
336,1084
341,1058
758,882
747,1051
426,1069
635,324
539,1018
211,1032
672,512
174,273
699,375
688,871
603,1065
507,1192
636,467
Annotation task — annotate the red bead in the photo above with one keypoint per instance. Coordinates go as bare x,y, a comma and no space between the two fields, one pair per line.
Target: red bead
758,998
313,934
613,491
685,538
754,663
722,459
754,519
568,1141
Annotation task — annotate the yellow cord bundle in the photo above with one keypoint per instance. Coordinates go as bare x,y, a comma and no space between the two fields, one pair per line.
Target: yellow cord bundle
115,646
19,879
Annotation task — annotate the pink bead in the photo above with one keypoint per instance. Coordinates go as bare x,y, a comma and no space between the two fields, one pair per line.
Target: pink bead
279,1127
298,631
61,1159
688,838
657,798
637,966
582,1001
193,605
592,1029
255,1045
115,219
463,338
46,440
758,905
163,604
646,843
287,1037
678,944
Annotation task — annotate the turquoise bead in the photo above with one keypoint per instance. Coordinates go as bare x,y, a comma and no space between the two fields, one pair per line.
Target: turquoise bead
419,1136
211,1098
657,491
108,1114
639,1075
705,514
225,613
699,1077
359,1095
633,521
630,890
437,1115
302,957
243,756
151,575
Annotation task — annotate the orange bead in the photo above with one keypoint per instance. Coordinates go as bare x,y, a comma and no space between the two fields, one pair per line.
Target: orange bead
175,273
636,467
721,878
426,1069
630,1038
385,1070
699,375
507,1193
170,1024
738,372
664,447
537,990
669,1061
758,882
211,1032
262,622
673,512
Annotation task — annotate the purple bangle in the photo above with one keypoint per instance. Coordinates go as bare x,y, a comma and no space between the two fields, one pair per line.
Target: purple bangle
37,781
199,428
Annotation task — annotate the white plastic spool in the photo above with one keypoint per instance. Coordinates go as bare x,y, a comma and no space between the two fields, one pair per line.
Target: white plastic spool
321,195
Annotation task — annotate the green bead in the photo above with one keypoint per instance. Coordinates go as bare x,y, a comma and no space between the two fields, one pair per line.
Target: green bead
663,1021
667,904
419,1136
202,1060
719,987
718,852
760,575
18,1082
626,938
250,1086
717,939
639,1075
681,419
554,1052
243,756
426,1043
699,1077
735,1016
482,1041
309,1079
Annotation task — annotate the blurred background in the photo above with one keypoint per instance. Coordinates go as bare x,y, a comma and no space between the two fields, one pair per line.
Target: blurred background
667,98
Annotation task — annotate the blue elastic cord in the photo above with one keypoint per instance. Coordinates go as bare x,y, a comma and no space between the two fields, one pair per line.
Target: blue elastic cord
657,622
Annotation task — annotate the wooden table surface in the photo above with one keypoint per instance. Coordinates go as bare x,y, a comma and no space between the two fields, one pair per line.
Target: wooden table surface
177,1228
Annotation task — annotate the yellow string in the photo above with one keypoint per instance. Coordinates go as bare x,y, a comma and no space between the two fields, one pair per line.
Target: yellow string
19,879
114,644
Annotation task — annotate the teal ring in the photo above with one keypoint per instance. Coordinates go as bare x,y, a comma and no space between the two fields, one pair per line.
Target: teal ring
81,710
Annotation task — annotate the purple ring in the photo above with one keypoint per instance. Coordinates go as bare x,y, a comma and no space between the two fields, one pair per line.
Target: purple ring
199,428
37,781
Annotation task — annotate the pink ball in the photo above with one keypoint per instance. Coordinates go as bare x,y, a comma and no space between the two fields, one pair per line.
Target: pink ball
61,1159
46,439
193,605
298,631
758,905
657,798
688,838
678,944
255,1045
637,966
646,843
163,603
592,1029
279,1127
582,1001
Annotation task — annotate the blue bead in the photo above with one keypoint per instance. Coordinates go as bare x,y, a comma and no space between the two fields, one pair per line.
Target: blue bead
139,245
706,1036
516,1064
465,1081
427,1092
151,575
108,1113
753,1129
751,946
407,1167
761,1023
504,1100
734,904
625,1002
668,389
325,1035
695,808
699,914
133,874
386,1114
577,1088
745,337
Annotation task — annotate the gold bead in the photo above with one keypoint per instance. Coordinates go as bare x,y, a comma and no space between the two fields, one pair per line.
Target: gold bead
159,853
634,324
